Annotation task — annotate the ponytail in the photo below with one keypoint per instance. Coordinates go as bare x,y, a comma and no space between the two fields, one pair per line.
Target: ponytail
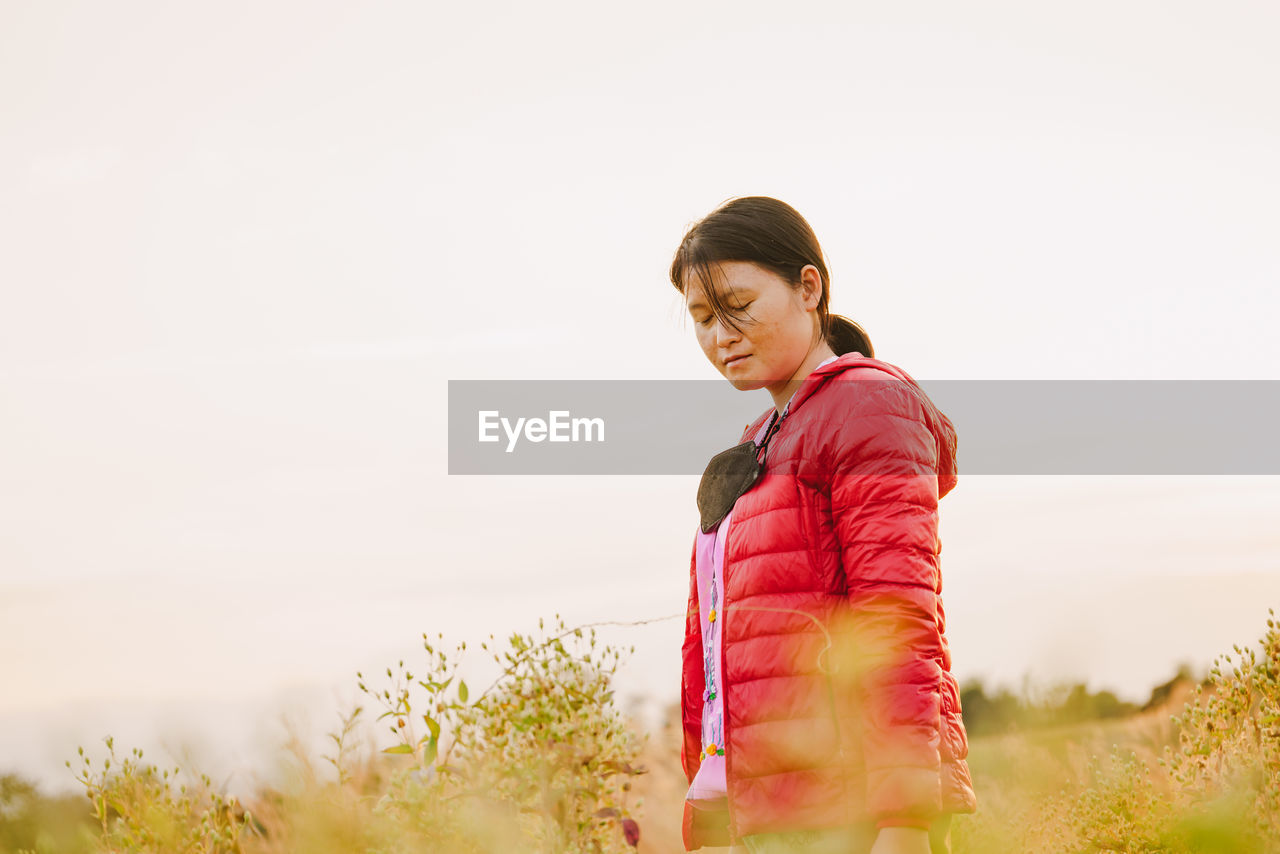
845,336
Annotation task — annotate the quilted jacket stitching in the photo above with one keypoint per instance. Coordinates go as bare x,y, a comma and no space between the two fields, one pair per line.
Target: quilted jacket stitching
798,457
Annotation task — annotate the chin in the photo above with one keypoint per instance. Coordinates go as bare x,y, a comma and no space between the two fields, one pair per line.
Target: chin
746,383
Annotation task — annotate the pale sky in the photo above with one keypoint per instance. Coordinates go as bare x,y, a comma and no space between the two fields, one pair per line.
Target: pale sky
244,246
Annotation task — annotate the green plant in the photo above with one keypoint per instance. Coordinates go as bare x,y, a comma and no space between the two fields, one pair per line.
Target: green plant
539,761
139,810
35,823
1217,790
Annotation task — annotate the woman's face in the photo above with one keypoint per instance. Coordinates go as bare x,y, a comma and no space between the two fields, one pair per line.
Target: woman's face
777,323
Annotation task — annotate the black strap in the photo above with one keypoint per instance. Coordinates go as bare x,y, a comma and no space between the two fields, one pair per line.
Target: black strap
774,424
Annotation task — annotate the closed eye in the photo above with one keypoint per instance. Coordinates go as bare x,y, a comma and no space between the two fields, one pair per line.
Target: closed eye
733,311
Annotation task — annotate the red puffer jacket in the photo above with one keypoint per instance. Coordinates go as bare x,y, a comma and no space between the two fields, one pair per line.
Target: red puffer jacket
839,702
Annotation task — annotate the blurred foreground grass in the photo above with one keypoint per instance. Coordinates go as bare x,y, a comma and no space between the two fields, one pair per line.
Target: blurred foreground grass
542,761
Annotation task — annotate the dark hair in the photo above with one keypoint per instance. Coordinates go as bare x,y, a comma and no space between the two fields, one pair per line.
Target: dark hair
771,234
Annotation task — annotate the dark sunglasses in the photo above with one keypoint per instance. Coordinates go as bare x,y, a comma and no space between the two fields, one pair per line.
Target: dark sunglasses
729,475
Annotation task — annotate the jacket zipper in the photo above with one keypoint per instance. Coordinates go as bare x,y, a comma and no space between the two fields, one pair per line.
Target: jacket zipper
724,699
775,423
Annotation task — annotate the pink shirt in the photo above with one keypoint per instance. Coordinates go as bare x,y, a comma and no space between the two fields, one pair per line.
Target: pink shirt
709,784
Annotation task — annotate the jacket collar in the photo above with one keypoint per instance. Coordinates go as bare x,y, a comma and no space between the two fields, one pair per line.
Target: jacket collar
939,424
819,376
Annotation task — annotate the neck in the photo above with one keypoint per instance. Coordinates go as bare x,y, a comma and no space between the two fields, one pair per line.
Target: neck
782,391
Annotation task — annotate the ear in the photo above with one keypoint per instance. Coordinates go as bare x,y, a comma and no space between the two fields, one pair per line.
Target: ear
810,285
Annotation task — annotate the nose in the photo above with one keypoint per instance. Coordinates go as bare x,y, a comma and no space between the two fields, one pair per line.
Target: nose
725,334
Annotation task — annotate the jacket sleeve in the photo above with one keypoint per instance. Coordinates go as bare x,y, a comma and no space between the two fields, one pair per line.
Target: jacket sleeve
884,505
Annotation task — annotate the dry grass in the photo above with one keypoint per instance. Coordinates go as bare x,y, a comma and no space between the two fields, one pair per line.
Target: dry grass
542,761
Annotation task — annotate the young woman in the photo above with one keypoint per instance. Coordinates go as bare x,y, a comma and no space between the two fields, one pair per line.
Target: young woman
819,712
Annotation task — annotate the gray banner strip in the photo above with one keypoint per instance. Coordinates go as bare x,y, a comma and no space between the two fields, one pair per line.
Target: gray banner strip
1062,427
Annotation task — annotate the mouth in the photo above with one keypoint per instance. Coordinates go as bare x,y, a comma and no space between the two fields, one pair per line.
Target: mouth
736,360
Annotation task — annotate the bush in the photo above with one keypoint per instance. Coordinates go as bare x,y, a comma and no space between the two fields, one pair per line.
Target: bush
1059,705
1217,790
539,761
31,821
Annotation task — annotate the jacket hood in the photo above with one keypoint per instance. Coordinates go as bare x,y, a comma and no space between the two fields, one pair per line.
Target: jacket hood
939,424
